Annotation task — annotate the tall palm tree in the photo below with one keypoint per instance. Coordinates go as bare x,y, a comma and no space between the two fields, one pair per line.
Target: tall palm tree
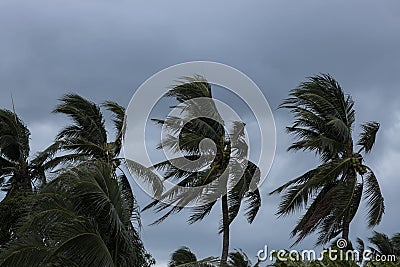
226,165
18,174
331,193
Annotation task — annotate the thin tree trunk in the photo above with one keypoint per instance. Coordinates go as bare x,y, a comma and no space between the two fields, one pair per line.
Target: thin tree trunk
346,222
345,234
225,232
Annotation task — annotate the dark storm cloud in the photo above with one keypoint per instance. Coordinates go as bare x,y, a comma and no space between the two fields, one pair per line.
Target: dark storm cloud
105,50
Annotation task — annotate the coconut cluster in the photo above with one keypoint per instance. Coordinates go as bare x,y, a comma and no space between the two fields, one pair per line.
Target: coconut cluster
356,162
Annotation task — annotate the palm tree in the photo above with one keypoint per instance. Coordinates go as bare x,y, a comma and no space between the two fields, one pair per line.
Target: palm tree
81,218
383,245
183,257
223,173
18,175
16,171
331,192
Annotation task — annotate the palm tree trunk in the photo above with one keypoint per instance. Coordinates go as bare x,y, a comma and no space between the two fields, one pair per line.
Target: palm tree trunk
346,221
346,228
225,230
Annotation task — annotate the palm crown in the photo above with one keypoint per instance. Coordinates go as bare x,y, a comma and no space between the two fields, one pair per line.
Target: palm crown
86,138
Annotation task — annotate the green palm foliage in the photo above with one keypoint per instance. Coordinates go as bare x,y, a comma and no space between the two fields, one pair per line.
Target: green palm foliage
18,174
331,193
239,259
221,172
86,137
383,245
385,250
87,215
183,257
81,218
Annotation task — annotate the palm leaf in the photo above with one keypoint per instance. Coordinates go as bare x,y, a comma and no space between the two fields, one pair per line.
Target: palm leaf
375,201
368,135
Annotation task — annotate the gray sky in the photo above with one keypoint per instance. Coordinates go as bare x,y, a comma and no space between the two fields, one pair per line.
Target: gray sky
104,50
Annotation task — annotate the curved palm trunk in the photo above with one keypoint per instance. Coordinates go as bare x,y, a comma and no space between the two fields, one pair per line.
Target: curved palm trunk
225,232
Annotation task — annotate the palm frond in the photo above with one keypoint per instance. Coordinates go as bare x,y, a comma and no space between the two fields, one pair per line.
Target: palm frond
147,175
375,201
88,122
118,117
14,137
239,259
368,135
382,243
183,257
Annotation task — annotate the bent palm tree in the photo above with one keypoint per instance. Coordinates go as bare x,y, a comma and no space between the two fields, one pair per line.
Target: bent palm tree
331,192
18,174
222,172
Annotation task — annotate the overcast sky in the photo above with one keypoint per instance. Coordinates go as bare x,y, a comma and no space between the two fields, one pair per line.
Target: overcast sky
104,50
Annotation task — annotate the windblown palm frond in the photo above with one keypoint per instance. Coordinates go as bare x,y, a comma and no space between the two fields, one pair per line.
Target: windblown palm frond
239,259
368,136
183,257
86,138
18,175
14,152
383,245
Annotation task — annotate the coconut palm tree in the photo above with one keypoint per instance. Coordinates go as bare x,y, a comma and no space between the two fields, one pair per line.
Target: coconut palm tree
331,192
18,174
221,173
